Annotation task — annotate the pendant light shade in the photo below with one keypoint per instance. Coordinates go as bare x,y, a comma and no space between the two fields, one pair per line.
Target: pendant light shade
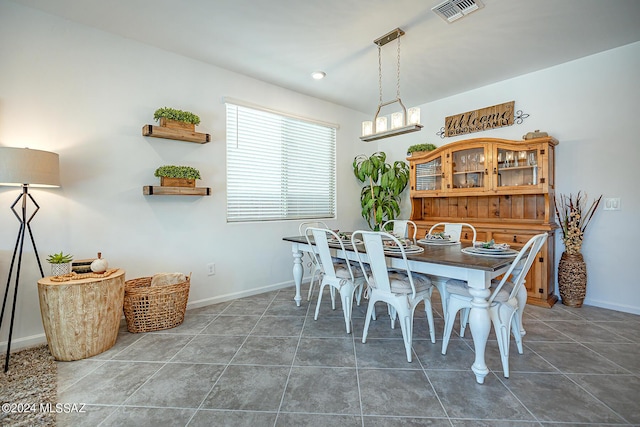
404,121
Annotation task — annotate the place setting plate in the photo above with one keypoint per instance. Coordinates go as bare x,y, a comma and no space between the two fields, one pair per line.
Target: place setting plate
501,250
438,240
412,249
346,242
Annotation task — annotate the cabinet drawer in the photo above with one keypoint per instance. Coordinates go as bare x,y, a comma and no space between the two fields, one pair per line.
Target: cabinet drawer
515,238
467,235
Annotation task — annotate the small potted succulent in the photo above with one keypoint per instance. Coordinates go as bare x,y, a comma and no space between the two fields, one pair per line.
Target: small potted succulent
420,147
177,176
176,119
60,263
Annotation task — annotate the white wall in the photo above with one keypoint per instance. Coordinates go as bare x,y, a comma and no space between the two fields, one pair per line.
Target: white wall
590,106
86,94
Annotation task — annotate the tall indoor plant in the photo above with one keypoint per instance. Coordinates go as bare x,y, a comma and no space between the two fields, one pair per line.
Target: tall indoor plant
574,218
380,199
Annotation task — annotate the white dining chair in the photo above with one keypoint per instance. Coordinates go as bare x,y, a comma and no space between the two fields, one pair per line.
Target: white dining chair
505,303
400,228
454,230
338,275
314,267
400,288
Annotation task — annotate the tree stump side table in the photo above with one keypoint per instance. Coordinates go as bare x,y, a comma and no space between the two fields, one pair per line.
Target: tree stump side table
81,318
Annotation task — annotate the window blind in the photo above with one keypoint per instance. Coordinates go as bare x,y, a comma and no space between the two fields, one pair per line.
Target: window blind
278,167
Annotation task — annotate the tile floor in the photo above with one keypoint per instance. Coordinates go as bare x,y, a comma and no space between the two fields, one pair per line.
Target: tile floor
262,361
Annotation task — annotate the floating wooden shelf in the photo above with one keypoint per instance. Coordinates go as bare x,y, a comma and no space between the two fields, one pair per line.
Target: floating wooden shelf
172,133
157,190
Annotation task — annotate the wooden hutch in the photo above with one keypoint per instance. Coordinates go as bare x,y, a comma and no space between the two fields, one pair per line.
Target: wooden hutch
504,188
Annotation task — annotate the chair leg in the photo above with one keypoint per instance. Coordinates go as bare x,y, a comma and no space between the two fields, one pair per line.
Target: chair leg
392,315
312,284
332,291
516,330
319,300
346,295
406,325
370,313
522,302
359,294
464,320
441,284
503,334
453,306
429,312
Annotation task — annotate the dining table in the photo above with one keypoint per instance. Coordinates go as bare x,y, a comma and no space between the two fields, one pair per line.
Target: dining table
441,263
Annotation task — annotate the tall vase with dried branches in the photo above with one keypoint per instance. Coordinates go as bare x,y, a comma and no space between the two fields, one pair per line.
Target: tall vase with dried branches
574,218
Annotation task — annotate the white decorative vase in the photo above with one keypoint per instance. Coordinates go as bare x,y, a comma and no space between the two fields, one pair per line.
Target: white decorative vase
60,269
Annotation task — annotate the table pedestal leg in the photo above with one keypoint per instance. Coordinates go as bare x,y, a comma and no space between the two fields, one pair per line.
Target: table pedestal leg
480,324
297,274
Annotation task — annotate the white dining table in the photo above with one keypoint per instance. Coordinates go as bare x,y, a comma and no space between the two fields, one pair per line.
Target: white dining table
442,263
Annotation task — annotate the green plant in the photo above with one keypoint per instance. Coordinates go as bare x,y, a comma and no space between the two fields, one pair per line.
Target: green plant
380,199
421,147
169,171
60,258
179,115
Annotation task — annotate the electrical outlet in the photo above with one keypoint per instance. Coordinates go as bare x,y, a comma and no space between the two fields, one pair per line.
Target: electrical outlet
612,204
211,269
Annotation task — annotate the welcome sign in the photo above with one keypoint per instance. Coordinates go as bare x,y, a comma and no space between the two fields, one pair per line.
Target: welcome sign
478,120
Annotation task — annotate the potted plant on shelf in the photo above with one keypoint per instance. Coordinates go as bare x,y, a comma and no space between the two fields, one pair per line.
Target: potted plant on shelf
177,176
380,199
60,263
419,148
572,270
176,119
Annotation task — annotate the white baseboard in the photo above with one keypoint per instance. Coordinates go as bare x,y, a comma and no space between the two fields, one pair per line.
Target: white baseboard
609,306
241,294
25,342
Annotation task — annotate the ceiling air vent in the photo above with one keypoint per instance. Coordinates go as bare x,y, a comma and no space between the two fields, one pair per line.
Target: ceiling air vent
452,10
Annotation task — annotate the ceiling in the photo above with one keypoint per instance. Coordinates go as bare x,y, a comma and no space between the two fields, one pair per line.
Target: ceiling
283,41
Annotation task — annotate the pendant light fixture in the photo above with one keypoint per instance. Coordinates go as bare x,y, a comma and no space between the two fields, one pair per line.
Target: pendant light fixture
404,121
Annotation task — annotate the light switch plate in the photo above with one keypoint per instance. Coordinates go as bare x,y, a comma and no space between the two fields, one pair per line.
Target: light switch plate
612,204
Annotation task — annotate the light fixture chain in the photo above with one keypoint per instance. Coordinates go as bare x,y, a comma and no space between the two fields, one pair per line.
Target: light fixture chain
398,87
380,71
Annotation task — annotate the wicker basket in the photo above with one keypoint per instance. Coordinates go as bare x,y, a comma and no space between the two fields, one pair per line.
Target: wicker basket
152,308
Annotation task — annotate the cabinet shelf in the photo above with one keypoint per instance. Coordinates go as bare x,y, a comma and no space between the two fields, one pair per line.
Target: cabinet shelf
515,168
157,190
468,172
177,134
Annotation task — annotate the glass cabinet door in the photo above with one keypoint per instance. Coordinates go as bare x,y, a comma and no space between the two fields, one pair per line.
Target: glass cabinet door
429,175
468,168
516,167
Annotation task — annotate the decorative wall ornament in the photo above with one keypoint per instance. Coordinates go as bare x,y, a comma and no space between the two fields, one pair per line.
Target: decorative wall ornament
482,119
520,116
478,120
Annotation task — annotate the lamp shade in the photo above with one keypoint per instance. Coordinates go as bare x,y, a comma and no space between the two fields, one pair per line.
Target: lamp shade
36,168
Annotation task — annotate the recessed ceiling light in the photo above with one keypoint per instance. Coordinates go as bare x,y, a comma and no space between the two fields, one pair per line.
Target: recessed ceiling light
318,75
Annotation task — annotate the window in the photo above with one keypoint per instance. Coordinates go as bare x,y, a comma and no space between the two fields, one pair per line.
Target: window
278,167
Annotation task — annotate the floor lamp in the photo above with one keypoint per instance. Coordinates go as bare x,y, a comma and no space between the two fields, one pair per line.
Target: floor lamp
24,168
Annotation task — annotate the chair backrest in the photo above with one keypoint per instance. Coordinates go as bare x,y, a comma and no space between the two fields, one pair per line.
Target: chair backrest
401,227
304,225
520,266
317,238
454,229
375,255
